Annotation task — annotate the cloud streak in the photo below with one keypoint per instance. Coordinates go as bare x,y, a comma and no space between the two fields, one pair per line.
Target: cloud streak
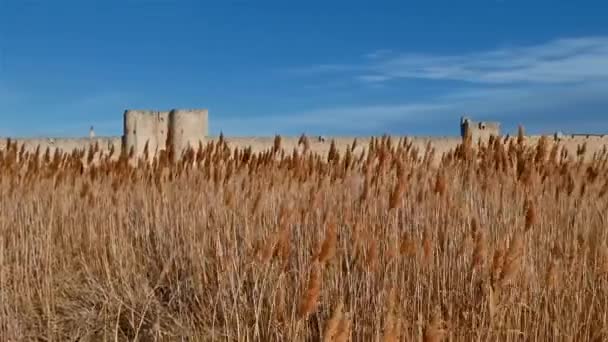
554,85
571,109
558,61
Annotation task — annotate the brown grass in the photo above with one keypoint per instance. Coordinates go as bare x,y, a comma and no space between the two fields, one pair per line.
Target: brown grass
286,244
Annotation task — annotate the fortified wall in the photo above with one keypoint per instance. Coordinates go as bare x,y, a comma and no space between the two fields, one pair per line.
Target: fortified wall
178,129
67,145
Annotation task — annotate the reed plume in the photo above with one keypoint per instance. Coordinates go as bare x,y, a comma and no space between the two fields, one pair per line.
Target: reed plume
343,330
310,298
433,331
331,327
328,247
512,260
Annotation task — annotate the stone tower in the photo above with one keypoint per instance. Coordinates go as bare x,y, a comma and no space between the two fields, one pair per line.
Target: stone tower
180,128
145,126
481,130
187,128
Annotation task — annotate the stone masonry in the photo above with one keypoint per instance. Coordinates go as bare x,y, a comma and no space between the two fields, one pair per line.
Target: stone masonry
481,130
180,128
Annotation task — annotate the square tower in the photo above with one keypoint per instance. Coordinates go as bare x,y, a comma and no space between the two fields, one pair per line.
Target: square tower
178,129
187,128
481,130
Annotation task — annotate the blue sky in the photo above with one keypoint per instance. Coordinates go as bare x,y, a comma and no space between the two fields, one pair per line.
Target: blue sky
316,67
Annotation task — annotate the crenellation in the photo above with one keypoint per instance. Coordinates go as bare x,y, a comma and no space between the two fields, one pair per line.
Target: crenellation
178,129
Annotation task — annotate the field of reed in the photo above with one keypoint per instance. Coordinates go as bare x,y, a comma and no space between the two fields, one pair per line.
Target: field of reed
500,241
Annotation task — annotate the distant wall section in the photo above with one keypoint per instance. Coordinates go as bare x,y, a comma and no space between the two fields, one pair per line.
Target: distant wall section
66,145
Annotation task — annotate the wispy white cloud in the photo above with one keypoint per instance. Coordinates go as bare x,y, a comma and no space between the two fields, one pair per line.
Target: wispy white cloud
554,62
322,69
555,85
569,108
378,53
374,78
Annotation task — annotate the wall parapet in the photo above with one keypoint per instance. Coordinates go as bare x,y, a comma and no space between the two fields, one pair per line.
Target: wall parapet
105,143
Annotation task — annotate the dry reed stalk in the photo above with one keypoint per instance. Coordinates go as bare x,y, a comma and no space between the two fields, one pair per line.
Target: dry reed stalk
520,135
479,252
397,194
310,298
280,303
603,260
493,301
305,142
391,325
551,278
328,247
264,250
282,248
391,329
512,260
393,249
104,220
497,262
440,184
474,226
255,208
343,330
371,254
433,331
427,248
276,145
541,150
408,246
466,245
331,327
530,216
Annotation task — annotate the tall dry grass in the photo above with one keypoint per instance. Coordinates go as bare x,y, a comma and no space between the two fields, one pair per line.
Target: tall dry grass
499,242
